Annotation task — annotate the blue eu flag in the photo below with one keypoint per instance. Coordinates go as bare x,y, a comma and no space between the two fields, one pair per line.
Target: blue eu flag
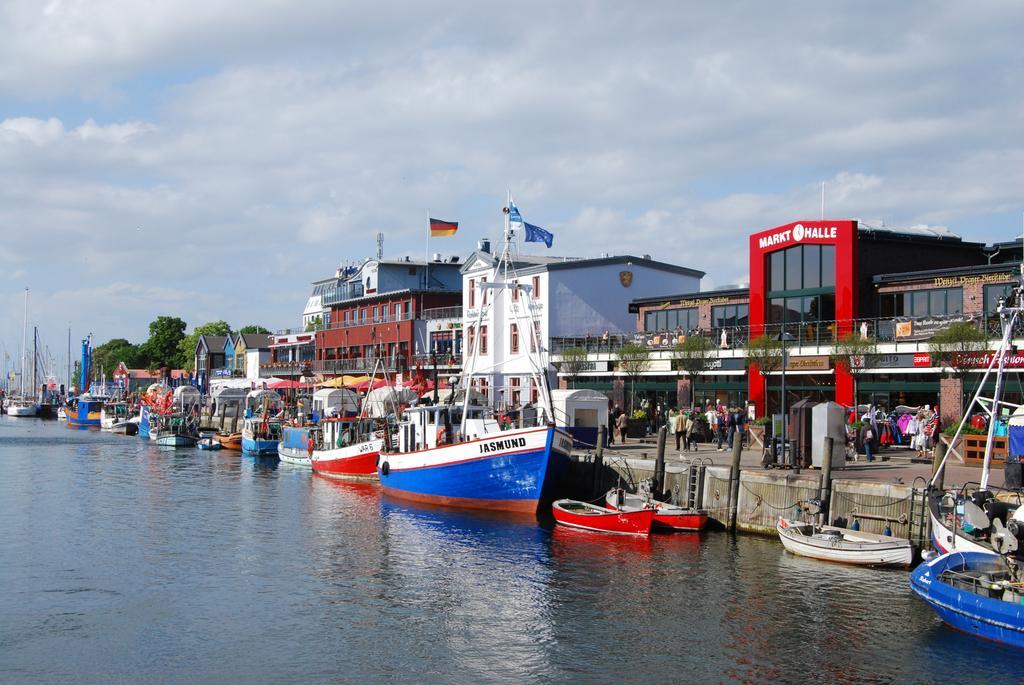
536,234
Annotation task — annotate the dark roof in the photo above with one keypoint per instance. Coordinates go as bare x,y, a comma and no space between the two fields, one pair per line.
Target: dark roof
978,269
527,264
635,305
213,342
255,341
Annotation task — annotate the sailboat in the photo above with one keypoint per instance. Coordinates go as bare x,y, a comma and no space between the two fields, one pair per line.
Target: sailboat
23,405
459,455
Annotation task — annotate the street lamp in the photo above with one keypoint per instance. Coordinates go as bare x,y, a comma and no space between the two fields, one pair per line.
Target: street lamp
784,337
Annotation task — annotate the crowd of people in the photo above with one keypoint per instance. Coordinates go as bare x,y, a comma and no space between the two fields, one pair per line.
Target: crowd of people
716,424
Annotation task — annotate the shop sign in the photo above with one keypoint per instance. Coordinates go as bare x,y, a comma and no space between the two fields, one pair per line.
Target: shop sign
815,363
888,361
797,234
925,327
922,359
726,364
660,365
697,302
945,282
663,340
587,367
980,360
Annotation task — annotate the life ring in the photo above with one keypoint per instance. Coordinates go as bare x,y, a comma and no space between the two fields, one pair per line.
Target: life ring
385,468
440,436
309,446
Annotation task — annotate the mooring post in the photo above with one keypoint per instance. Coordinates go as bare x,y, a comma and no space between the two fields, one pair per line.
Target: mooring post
938,458
659,462
599,458
734,483
234,421
825,491
223,415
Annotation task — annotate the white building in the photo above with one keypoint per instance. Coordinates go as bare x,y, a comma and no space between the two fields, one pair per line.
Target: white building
554,297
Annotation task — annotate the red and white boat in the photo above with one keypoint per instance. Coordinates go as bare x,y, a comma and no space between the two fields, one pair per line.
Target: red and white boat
666,516
576,514
346,448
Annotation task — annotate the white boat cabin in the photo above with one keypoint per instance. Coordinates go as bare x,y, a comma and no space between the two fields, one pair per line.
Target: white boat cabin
338,433
434,426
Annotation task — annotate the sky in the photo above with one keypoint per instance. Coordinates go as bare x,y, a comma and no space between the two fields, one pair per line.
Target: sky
209,159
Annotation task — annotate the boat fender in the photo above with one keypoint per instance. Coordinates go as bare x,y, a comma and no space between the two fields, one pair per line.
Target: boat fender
309,446
887,531
385,468
440,436
855,525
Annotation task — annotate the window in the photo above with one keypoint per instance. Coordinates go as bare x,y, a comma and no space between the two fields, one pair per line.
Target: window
483,298
408,309
363,314
513,337
398,311
514,391
536,287
534,392
515,291
802,267
376,314
483,340
685,319
729,316
919,303
472,292
469,339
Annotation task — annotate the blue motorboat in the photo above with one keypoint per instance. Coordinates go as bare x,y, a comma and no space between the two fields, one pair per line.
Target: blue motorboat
975,592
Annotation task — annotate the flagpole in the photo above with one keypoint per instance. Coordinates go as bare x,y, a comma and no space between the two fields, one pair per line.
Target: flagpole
426,255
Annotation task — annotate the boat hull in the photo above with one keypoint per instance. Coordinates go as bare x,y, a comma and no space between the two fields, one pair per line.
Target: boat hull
858,549
509,471
86,414
231,441
667,517
943,539
354,461
23,410
174,440
988,618
588,517
261,448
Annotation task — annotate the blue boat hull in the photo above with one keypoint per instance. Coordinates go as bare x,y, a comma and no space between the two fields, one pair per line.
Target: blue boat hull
144,423
261,448
520,480
988,618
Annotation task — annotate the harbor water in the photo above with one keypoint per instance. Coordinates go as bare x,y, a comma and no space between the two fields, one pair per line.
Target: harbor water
124,562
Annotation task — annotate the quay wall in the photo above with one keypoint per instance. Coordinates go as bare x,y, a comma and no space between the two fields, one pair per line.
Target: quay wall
763,496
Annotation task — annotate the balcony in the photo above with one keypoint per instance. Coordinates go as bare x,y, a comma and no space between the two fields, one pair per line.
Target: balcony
347,291
444,362
368,321
908,334
442,313
296,368
360,365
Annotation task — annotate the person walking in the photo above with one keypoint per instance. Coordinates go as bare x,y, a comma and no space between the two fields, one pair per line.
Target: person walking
613,423
730,425
621,424
679,427
691,432
711,416
867,437
722,424
740,420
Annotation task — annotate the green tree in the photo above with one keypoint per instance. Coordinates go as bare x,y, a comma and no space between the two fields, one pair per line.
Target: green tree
855,354
106,357
574,362
692,356
951,348
187,346
165,335
633,359
314,323
253,328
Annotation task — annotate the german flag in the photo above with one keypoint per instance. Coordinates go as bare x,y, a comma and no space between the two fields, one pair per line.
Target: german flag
440,228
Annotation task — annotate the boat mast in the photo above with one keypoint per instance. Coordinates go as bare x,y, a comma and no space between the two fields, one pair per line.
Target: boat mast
35,360
24,332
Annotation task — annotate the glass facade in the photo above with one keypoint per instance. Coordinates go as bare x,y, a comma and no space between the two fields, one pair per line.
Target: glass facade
801,291
685,319
932,302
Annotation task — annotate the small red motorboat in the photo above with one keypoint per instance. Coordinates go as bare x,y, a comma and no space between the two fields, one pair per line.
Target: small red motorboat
665,515
576,514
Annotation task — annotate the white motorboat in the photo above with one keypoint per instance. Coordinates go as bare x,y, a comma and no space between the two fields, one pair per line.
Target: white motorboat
21,407
844,545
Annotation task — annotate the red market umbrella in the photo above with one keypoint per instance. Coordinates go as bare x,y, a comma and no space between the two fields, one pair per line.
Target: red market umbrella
288,385
366,385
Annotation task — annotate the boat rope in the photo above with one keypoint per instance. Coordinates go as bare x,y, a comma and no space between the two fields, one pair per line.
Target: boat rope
855,502
759,500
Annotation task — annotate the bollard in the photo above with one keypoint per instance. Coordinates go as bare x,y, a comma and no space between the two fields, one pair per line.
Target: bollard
940,454
234,421
659,463
825,491
223,415
599,459
734,483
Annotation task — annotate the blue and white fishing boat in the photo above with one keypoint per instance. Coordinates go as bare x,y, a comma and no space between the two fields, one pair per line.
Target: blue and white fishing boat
975,592
86,410
461,455
261,431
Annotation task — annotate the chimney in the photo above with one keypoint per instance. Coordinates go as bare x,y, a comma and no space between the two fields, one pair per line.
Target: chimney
484,245
437,256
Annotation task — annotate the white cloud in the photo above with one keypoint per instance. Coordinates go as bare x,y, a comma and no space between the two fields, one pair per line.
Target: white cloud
257,146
